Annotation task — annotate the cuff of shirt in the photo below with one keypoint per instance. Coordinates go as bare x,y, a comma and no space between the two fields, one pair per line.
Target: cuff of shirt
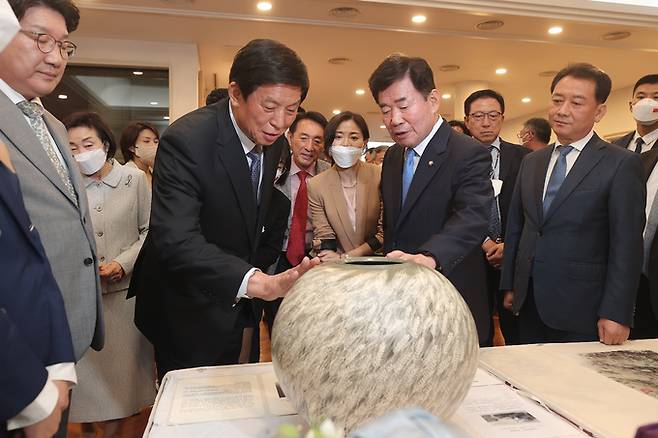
40,408
63,371
242,291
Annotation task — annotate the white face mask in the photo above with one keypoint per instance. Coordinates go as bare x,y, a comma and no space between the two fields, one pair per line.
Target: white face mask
345,156
92,161
147,154
645,112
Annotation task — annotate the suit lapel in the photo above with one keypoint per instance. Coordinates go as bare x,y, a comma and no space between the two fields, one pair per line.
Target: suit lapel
649,159
271,156
394,175
364,192
588,158
430,162
338,197
541,167
232,155
506,156
21,135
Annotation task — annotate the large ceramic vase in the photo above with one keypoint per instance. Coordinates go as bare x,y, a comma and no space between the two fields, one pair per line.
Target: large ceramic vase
355,340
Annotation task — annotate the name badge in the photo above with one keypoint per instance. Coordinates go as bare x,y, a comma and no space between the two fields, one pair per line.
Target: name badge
497,185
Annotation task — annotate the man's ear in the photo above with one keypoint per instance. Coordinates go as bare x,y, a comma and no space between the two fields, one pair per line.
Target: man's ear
601,110
234,93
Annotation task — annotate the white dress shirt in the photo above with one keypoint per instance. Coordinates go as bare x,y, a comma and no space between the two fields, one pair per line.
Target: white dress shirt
44,404
420,148
247,146
572,156
16,97
649,141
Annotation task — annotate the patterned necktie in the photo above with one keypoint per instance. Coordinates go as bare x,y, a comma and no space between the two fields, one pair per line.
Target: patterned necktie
638,145
557,176
407,172
34,113
254,169
495,227
297,237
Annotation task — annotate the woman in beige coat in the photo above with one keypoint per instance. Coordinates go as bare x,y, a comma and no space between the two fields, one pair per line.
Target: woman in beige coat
118,381
344,201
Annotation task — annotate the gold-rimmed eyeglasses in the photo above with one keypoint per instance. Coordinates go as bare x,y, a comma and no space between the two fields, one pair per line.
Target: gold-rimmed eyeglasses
46,43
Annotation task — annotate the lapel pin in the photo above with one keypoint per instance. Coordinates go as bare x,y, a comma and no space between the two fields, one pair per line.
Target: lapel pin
430,163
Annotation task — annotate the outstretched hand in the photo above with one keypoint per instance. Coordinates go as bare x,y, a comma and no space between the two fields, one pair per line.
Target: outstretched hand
270,287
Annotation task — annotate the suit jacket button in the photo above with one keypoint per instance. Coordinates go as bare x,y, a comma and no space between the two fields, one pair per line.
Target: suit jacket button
88,261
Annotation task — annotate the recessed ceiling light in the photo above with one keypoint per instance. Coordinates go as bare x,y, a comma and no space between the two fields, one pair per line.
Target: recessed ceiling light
446,96
382,126
419,18
138,73
264,6
153,103
360,91
166,117
336,112
449,67
526,100
501,71
555,30
490,25
616,36
62,96
344,12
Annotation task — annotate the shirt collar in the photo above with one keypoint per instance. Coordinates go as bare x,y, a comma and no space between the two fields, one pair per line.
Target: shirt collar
648,138
294,168
247,144
580,144
420,148
112,179
14,95
496,143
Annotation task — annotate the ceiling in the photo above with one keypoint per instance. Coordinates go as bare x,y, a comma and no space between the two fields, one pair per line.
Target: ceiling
448,36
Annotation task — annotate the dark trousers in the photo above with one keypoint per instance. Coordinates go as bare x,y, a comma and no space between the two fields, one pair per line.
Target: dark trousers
532,329
645,323
270,308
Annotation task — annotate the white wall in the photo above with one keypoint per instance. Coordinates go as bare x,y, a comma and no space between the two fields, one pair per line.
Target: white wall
617,121
182,61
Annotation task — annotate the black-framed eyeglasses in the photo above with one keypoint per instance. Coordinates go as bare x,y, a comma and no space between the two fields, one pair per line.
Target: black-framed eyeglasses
46,43
492,115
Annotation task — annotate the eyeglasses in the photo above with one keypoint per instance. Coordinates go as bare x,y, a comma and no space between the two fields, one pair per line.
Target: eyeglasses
492,115
46,43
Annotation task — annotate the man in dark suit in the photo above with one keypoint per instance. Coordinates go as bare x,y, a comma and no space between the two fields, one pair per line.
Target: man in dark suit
646,309
574,231
644,108
484,115
435,183
212,186
35,340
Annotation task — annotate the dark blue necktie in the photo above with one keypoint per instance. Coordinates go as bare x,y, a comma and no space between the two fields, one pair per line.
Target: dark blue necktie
638,145
557,176
254,169
407,172
495,227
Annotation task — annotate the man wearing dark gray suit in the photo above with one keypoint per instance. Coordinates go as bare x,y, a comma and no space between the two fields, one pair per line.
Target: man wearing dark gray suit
574,230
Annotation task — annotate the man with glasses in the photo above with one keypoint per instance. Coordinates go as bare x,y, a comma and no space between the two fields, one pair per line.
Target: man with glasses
31,67
484,118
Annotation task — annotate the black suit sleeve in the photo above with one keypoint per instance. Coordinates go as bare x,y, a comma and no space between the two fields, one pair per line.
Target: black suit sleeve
175,229
466,226
626,218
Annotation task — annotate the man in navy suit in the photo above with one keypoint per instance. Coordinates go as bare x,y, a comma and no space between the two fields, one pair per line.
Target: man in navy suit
435,183
35,341
574,246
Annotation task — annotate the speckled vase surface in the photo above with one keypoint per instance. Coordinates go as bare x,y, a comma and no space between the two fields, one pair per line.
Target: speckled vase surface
354,340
